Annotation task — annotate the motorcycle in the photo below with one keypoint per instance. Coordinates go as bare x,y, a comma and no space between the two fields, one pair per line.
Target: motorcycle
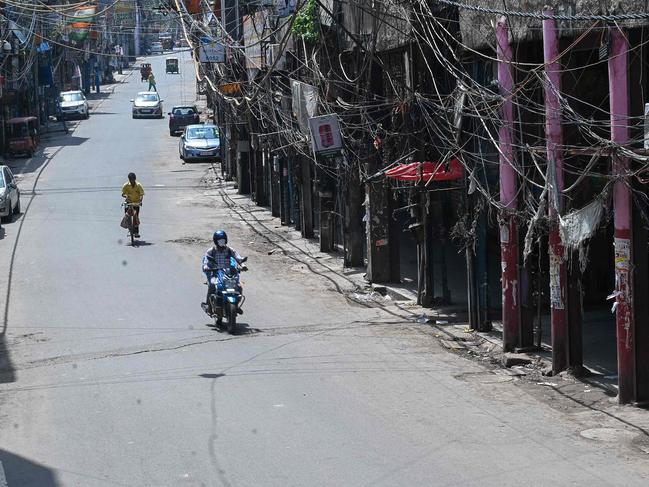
226,302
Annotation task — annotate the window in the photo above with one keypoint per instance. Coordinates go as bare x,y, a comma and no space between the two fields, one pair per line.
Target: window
72,97
202,133
2,180
151,97
184,111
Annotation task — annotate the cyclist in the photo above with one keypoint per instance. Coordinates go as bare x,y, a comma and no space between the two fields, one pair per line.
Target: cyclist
134,193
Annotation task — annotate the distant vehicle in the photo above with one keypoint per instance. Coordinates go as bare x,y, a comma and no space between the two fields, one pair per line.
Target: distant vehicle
182,115
167,42
156,48
145,71
171,64
147,104
200,143
9,194
73,104
23,135
182,42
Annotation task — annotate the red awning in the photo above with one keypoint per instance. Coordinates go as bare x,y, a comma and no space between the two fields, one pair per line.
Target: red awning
431,171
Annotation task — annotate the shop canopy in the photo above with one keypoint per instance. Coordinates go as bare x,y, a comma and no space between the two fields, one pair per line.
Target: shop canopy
428,171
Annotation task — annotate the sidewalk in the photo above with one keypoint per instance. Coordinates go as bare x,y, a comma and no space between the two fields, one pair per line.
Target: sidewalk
595,393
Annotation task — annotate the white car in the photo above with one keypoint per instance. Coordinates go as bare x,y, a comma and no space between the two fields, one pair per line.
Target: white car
9,194
147,104
156,48
73,104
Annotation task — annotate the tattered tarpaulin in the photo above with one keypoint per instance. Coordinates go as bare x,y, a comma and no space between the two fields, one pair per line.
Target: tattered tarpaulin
579,225
427,171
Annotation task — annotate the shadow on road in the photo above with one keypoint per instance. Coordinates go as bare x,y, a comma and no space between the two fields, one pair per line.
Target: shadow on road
18,471
211,376
7,373
2,233
240,329
31,165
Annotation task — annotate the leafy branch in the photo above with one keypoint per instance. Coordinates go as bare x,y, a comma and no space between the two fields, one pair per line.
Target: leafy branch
307,22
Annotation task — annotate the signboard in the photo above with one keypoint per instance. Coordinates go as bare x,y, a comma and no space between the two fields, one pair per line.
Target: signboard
325,134
211,52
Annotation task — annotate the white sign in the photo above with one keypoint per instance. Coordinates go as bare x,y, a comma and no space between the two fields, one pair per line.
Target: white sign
325,134
211,52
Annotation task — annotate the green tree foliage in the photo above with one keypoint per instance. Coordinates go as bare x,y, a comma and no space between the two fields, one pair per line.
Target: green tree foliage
307,22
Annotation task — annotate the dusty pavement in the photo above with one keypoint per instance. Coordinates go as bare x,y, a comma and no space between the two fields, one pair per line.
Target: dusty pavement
111,374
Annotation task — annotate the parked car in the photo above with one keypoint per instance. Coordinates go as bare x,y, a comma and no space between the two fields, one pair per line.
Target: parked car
200,142
9,194
147,104
182,115
23,135
156,48
73,104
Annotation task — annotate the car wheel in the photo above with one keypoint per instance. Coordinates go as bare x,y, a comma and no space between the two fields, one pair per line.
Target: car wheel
86,116
17,208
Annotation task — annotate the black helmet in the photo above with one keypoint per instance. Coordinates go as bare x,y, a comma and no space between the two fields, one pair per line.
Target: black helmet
220,235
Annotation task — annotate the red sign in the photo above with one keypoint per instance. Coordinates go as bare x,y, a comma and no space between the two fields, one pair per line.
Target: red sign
427,171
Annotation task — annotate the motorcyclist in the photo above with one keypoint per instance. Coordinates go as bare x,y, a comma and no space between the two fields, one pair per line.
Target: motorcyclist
217,258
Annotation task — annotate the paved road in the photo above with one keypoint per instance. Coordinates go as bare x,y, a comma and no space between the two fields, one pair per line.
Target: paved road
112,376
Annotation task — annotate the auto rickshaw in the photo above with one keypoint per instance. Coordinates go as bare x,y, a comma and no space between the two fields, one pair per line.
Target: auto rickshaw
172,65
23,135
145,71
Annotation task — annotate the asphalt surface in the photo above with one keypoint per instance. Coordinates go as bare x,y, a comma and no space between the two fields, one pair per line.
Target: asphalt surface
111,375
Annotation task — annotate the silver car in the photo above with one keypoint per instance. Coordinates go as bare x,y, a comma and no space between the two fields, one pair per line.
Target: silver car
200,142
147,104
73,104
9,194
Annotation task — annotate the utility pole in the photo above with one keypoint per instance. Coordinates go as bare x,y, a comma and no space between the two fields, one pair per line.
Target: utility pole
554,140
508,194
619,107
136,30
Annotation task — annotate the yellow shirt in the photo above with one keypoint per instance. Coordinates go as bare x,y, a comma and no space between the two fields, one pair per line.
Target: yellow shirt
133,194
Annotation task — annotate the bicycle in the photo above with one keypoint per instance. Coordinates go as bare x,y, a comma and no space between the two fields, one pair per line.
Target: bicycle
131,220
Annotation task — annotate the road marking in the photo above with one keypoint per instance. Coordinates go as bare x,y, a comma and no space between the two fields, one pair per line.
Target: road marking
159,185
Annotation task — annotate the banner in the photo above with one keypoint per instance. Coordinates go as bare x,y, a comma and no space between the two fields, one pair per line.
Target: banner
80,22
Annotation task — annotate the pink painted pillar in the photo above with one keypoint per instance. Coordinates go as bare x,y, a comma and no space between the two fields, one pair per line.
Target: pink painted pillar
508,193
619,107
554,141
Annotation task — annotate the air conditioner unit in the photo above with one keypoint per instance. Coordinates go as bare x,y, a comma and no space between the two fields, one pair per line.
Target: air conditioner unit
274,53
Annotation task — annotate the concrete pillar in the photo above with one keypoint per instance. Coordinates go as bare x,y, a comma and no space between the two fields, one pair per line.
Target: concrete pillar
622,208
554,141
508,194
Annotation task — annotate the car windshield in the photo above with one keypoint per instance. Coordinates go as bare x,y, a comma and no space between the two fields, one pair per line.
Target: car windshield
151,97
178,111
2,179
202,133
71,97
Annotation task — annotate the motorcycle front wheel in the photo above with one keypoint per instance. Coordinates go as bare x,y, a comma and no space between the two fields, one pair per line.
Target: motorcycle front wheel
232,317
